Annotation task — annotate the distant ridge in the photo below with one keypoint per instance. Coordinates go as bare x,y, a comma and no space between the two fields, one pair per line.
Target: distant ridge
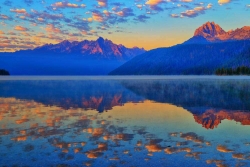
99,49
97,57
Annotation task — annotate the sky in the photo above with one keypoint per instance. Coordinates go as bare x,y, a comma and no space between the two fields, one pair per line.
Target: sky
148,24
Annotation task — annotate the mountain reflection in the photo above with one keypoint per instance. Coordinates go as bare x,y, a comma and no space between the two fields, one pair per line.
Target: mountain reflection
212,118
33,133
98,95
209,100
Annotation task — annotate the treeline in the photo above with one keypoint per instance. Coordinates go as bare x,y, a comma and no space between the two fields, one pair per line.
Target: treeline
243,70
4,72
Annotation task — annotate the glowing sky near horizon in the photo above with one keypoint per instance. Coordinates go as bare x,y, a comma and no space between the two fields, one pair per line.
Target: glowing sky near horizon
26,24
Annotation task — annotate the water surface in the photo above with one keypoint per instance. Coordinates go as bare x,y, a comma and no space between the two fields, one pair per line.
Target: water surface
124,121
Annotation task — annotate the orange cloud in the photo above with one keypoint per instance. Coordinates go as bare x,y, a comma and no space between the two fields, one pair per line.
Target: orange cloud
3,16
154,2
223,1
40,19
20,28
209,5
97,17
102,3
107,13
18,10
200,8
223,149
69,5
1,32
51,28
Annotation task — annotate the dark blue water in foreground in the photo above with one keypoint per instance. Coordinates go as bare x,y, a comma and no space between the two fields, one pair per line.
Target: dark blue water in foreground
124,121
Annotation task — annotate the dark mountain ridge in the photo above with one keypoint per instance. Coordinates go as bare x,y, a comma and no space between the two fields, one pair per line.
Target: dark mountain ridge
195,59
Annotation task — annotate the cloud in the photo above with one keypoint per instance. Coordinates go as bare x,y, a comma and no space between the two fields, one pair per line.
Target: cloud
209,6
154,2
186,0
102,3
107,13
40,19
50,28
200,8
174,15
125,12
18,10
193,12
44,15
20,28
223,1
80,25
189,13
139,6
67,5
2,16
223,149
1,32
142,18
97,16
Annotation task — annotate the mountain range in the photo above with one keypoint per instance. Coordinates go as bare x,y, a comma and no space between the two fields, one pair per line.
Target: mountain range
99,49
69,58
209,49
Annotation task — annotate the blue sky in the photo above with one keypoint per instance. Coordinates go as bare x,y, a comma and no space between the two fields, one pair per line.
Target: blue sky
26,24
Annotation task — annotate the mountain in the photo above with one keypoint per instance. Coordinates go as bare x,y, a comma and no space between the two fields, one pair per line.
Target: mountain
211,48
212,32
99,49
193,59
69,58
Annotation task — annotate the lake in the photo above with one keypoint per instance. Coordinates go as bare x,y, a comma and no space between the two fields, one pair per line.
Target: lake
125,121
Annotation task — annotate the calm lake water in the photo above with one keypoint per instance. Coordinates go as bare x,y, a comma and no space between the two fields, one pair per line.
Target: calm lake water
124,121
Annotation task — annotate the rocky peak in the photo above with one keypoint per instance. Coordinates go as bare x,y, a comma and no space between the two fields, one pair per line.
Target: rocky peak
100,40
65,42
209,29
246,28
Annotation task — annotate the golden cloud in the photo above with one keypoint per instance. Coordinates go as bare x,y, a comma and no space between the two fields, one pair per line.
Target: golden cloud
20,28
102,3
51,28
223,1
97,17
18,10
223,149
65,5
154,2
